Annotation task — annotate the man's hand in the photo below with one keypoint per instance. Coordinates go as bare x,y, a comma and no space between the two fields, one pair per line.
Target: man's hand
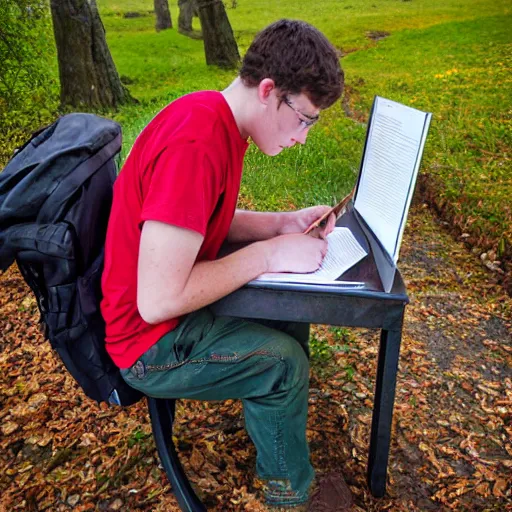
294,253
300,220
171,283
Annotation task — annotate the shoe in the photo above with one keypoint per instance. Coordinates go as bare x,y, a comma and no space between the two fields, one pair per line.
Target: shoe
328,494
279,497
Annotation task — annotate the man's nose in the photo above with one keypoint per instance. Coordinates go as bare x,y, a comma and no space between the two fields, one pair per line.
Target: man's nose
301,138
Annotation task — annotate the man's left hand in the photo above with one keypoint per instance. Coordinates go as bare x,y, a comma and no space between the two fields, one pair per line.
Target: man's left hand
300,220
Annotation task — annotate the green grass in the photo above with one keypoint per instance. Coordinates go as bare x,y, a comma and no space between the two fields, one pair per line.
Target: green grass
460,71
449,57
327,351
441,56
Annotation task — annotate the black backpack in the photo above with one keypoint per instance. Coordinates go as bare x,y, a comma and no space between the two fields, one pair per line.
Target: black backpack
55,200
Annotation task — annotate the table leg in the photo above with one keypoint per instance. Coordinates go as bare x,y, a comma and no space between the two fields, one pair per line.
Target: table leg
380,438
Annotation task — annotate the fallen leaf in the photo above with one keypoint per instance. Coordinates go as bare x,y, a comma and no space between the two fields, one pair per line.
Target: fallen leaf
9,427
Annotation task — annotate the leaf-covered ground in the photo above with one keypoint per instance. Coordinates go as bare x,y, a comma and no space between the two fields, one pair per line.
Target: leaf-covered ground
452,437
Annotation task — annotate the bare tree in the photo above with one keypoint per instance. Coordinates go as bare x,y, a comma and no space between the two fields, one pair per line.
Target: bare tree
88,76
219,42
163,15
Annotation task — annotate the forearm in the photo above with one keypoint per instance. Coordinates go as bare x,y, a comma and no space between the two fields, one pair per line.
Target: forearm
210,281
171,284
249,226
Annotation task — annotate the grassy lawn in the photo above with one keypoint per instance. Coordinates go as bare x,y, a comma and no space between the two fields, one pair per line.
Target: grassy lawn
449,57
453,60
460,71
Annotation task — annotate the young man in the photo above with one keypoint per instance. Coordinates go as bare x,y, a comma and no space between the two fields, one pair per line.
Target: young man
174,206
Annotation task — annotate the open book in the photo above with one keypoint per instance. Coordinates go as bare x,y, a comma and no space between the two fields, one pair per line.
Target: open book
395,139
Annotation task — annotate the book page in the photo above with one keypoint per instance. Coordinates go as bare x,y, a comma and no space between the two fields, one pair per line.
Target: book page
343,252
391,162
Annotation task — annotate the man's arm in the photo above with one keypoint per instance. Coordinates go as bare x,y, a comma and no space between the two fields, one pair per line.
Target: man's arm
170,283
249,226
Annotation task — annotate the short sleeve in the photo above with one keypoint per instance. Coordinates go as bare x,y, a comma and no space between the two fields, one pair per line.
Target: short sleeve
182,188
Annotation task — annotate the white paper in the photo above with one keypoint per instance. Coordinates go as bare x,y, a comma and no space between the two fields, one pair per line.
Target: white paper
343,252
391,162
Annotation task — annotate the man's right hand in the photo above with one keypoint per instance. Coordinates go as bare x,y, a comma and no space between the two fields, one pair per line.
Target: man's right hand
295,253
171,283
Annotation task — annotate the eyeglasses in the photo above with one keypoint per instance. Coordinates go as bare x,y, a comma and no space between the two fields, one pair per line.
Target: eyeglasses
304,123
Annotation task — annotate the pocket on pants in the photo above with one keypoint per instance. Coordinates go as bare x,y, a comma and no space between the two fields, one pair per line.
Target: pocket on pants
191,331
175,348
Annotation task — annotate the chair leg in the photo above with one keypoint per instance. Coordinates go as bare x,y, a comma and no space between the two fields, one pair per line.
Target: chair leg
161,412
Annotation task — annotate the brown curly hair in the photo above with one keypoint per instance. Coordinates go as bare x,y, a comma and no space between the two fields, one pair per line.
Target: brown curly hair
299,59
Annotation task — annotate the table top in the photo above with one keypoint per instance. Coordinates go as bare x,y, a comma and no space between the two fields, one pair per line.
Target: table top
323,304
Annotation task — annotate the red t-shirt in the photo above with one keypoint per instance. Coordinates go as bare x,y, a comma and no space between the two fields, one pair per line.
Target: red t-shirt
184,169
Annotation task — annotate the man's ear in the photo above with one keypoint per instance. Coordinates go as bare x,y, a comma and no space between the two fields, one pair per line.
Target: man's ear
265,87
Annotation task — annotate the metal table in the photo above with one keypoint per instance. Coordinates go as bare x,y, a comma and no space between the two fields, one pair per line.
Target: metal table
369,307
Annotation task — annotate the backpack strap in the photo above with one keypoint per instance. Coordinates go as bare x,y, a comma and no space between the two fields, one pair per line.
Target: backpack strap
37,137
77,178
41,240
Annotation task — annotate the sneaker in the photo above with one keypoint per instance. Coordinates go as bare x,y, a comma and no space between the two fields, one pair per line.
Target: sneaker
279,494
329,494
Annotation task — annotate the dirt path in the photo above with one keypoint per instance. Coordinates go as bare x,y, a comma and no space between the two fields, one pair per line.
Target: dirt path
451,446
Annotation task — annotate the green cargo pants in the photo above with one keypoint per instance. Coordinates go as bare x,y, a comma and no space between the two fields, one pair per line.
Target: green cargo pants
219,358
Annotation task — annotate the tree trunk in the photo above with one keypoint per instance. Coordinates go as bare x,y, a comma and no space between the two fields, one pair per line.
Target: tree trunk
163,15
187,11
219,42
88,76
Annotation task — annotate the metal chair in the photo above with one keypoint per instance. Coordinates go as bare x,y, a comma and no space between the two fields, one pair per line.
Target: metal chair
162,412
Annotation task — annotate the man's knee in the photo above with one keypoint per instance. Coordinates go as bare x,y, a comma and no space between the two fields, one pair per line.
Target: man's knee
295,364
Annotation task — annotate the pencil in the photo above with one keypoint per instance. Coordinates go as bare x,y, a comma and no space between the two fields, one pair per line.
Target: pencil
337,210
